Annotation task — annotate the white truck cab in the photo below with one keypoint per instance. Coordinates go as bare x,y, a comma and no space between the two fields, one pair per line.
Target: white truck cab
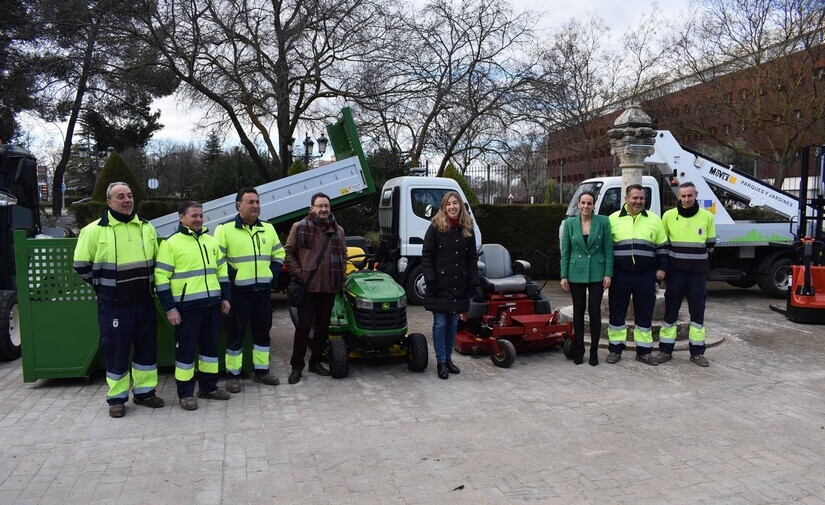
406,206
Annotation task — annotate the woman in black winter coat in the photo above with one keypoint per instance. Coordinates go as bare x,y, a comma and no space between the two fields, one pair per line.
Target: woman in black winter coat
450,264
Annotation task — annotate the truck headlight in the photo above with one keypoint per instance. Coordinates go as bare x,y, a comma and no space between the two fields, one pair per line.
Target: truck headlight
363,303
402,302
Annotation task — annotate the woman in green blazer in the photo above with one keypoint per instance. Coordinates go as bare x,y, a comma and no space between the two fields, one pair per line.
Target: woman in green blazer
586,265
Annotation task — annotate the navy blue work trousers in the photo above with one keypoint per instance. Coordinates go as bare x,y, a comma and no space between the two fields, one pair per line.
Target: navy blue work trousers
250,308
681,284
123,328
641,286
197,336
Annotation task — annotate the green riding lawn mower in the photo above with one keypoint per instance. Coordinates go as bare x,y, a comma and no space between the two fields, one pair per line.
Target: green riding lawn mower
369,320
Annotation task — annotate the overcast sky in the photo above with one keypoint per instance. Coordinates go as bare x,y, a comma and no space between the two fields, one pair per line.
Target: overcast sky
178,118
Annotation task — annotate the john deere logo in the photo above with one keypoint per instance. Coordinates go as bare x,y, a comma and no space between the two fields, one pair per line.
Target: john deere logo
385,306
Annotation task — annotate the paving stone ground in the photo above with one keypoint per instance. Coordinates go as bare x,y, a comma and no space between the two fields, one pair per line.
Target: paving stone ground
748,430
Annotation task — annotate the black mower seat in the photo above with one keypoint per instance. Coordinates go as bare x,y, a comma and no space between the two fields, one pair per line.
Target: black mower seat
497,274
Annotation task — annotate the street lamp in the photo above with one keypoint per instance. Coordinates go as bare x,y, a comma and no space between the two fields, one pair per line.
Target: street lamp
308,143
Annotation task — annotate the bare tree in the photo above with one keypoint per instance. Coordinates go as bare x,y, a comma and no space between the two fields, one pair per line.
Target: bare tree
452,66
260,66
753,77
578,82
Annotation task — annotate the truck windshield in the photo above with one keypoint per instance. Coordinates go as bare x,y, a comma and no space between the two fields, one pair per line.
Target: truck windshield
593,187
426,201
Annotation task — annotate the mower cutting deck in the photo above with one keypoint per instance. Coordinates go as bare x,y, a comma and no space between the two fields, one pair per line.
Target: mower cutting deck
513,315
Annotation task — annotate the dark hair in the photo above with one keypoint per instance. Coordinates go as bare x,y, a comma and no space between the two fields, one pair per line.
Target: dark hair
317,196
688,185
587,193
632,187
244,191
185,206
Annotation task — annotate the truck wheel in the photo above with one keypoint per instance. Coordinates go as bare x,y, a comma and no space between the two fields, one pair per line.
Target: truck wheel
416,287
417,353
338,358
775,281
9,326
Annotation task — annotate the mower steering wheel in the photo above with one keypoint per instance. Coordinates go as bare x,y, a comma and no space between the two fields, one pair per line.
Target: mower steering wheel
367,261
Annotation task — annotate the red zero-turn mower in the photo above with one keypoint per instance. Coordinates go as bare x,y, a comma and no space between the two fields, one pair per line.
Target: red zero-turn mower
512,316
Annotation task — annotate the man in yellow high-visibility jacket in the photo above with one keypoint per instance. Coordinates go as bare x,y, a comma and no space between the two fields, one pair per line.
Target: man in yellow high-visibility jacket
116,255
639,260
193,288
691,232
254,255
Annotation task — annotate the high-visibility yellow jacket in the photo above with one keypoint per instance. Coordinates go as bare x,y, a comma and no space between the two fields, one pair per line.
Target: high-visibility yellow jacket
691,239
254,253
117,258
639,243
190,271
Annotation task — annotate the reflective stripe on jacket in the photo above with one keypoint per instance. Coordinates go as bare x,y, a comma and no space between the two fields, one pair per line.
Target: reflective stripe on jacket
117,258
691,239
190,271
253,253
638,243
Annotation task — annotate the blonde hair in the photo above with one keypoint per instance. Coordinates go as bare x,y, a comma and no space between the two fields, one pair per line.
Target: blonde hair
441,221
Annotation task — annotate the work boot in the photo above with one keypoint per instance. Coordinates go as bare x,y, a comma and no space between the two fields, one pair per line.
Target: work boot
268,379
663,357
117,410
218,394
189,403
294,377
647,359
452,368
700,360
234,385
153,402
443,373
613,357
318,369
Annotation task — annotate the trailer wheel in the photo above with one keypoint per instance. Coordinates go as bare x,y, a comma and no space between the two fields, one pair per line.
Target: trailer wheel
569,348
417,353
416,286
9,326
338,358
775,281
507,355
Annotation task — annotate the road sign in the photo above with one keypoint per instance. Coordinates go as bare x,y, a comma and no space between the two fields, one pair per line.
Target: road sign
153,183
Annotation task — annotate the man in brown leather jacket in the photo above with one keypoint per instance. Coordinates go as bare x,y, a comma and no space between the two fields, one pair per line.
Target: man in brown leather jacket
308,238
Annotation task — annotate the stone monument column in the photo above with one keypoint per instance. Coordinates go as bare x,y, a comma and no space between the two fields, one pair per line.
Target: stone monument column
631,139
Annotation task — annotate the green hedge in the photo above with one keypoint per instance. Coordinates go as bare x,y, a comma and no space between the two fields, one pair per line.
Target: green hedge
150,209
529,232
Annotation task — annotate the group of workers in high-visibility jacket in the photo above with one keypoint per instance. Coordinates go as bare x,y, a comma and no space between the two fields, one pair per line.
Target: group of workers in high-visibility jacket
198,279
637,250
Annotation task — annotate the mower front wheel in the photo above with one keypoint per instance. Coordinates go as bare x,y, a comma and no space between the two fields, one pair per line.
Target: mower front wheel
506,357
338,358
417,352
569,348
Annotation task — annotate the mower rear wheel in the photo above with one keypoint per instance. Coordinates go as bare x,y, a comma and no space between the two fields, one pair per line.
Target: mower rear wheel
338,358
568,347
417,352
507,355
